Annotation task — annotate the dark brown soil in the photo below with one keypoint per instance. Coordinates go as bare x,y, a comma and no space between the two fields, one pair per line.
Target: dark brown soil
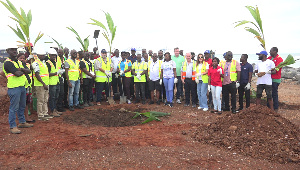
4,105
257,132
105,117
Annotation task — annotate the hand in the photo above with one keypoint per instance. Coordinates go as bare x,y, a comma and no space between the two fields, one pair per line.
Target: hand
197,81
198,74
139,77
175,80
260,74
30,57
182,80
209,88
220,70
45,87
121,72
94,76
70,85
268,72
247,87
160,82
237,84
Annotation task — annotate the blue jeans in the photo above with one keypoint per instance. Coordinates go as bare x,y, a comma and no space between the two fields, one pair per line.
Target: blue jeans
17,105
74,93
53,96
202,91
169,85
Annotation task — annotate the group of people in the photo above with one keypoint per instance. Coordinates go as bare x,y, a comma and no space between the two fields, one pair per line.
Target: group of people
60,81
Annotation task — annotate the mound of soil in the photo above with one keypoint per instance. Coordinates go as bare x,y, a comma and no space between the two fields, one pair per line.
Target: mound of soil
104,117
4,105
257,132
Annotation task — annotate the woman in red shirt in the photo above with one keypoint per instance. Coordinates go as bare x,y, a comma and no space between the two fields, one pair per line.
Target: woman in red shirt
215,73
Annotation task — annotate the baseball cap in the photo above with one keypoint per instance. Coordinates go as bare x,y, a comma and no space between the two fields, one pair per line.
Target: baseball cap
133,49
103,51
224,54
262,52
207,51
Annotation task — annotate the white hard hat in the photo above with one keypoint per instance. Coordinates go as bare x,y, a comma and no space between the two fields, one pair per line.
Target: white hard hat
52,51
40,51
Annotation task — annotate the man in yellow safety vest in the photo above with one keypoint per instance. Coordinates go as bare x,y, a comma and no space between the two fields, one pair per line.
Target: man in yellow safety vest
139,70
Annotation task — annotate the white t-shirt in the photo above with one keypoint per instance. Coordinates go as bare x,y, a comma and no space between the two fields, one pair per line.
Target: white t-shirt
154,71
168,67
200,67
264,67
115,60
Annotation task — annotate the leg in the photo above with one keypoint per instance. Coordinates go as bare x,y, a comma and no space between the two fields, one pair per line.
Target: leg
131,87
187,88
199,93
179,88
194,92
120,85
40,97
226,96
61,95
66,95
233,95
213,93
89,90
76,92
127,86
22,105
203,97
45,101
247,95
85,90
269,91
114,83
170,88
241,95
71,93
137,91
52,91
275,95
14,96
166,89
259,90
218,98
142,86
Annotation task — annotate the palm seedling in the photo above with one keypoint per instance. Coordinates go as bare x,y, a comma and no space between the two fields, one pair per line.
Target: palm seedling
112,28
85,43
258,30
24,22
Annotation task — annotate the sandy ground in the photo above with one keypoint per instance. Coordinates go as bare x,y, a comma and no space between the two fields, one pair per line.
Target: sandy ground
156,145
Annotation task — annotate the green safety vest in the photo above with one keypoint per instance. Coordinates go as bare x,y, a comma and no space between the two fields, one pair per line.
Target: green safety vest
159,66
44,74
53,80
203,70
127,74
139,68
73,70
12,80
100,76
233,73
87,67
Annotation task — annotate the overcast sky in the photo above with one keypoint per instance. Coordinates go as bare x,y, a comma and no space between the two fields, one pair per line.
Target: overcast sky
190,25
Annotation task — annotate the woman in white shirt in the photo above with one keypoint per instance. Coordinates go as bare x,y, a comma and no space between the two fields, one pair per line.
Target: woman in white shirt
168,74
202,81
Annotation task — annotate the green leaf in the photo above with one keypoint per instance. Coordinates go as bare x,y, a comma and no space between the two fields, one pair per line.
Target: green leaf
23,14
113,34
59,45
86,43
239,23
40,35
151,118
159,113
109,21
29,17
253,31
136,115
18,33
98,23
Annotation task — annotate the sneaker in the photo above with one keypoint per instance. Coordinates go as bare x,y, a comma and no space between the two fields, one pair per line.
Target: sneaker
78,107
200,108
128,101
167,103
25,125
71,108
90,104
98,104
187,104
240,109
15,130
234,111
43,118
151,102
54,114
205,109
57,112
171,104
178,101
194,105
86,105
48,116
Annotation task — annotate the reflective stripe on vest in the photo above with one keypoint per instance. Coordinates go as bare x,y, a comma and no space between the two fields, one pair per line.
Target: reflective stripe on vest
73,70
233,73
100,76
53,80
44,74
12,80
193,70
203,70
127,74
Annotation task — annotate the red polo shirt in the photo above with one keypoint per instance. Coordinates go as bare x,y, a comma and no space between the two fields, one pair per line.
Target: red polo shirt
209,61
277,60
215,77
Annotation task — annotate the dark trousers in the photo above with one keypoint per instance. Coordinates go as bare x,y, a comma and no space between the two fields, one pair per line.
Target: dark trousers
66,96
190,87
275,95
126,86
139,88
179,88
242,91
116,82
230,88
86,89
147,91
162,92
99,88
132,87
53,96
61,94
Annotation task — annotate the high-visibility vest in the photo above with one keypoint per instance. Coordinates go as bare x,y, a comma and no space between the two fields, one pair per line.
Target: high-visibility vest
100,76
139,68
73,70
13,80
222,63
27,84
159,66
127,74
87,68
203,70
53,80
44,74
233,73
184,70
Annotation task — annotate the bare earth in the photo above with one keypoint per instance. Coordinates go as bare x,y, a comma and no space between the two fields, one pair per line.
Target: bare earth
66,143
